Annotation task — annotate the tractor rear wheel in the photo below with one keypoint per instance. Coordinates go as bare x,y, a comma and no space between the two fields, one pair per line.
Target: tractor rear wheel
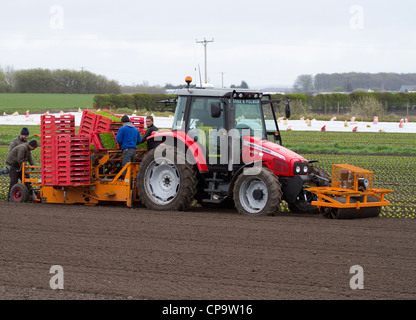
19,193
257,195
166,182
303,201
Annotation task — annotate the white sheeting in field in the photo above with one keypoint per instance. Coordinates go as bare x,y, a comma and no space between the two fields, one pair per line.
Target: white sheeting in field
291,124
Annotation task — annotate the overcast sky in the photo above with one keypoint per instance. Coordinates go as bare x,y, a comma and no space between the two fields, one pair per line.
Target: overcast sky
263,42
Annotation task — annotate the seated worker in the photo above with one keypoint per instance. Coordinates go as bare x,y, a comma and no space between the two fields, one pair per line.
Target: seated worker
128,137
15,159
151,144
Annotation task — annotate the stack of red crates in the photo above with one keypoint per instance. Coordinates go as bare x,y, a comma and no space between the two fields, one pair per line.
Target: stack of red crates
72,160
65,157
91,122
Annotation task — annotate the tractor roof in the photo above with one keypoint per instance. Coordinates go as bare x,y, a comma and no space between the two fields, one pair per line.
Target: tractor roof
211,92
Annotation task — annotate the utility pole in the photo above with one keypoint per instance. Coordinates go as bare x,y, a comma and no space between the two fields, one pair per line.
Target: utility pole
205,42
222,79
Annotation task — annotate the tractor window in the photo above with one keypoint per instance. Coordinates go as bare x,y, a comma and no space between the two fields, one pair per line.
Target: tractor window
203,128
200,115
268,118
178,123
248,117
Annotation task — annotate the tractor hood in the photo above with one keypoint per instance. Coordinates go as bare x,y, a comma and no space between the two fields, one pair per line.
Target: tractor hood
280,160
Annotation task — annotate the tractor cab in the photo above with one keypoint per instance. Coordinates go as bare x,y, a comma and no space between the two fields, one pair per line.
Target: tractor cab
219,119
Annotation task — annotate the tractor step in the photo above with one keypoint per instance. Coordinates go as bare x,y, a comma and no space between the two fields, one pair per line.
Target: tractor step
211,201
214,180
213,190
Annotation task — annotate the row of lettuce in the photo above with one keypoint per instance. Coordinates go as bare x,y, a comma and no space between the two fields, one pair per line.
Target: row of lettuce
320,103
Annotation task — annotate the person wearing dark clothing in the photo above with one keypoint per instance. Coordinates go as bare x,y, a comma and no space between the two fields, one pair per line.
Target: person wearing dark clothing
151,144
128,137
15,159
22,138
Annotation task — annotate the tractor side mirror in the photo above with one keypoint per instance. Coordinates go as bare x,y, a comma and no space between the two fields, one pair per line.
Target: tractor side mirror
288,110
215,109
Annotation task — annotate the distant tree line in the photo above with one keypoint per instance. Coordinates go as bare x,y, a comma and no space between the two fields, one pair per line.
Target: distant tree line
400,103
136,101
55,81
352,81
145,87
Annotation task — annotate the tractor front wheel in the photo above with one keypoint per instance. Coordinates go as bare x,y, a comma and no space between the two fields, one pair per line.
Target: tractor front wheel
166,181
258,194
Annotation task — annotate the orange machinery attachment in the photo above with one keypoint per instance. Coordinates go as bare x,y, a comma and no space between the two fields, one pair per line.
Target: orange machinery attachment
79,168
351,194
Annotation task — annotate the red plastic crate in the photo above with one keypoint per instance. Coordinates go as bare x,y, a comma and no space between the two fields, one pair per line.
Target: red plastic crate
138,122
102,124
55,125
87,122
97,142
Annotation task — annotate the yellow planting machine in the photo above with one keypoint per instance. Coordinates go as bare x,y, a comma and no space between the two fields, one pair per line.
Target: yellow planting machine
78,168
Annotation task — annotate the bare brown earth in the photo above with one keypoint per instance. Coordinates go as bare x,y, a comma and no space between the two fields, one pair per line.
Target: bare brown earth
114,252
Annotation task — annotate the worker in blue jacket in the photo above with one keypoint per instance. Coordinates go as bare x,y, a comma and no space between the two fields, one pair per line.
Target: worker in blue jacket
128,137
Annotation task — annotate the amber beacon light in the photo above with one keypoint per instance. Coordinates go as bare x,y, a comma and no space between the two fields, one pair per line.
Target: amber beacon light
188,80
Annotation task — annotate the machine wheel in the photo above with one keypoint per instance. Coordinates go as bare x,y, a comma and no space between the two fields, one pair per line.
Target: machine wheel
166,182
257,195
19,193
303,202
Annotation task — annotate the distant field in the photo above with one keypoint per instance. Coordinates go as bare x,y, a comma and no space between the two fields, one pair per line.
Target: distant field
42,102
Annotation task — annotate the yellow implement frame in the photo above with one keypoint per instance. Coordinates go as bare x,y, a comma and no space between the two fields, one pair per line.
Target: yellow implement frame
110,187
353,185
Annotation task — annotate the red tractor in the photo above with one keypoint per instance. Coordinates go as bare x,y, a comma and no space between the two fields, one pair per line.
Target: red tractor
219,153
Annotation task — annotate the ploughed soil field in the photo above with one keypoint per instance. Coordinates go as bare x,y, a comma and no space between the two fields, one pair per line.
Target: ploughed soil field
115,252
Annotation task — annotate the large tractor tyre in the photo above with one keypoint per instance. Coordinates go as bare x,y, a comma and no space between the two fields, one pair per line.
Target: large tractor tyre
259,194
303,201
19,193
166,182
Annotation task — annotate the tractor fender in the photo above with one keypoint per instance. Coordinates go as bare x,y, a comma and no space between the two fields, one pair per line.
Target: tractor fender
193,151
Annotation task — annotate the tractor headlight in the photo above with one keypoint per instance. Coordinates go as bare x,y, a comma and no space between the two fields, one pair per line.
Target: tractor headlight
300,168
